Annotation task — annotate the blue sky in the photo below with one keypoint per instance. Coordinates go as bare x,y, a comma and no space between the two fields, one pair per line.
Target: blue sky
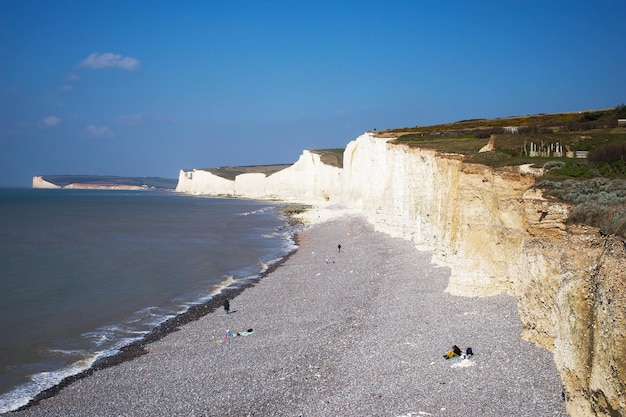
146,88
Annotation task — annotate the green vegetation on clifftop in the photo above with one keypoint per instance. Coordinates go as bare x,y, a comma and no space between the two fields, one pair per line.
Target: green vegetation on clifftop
511,137
332,157
583,155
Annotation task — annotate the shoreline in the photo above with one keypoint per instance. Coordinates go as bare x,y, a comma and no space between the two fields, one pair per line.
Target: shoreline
138,348
292,212
363,334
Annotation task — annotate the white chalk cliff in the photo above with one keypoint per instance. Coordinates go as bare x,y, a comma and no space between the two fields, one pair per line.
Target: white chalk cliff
307,180
39,182
495,232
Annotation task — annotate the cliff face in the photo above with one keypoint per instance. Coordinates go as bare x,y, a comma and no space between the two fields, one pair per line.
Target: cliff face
307,179
95,182
466,214
39,182
496,235
203,182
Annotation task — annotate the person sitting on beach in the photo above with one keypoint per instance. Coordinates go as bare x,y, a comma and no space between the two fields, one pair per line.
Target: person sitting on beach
454,353
230,335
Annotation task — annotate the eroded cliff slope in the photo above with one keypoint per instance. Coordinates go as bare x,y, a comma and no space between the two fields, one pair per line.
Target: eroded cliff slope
496,233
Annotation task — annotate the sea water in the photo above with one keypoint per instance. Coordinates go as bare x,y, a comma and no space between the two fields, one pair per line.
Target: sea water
85,272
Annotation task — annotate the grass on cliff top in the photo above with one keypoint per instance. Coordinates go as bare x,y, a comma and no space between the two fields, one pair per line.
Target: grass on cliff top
513,149
463,144
554,121
230,172
332,157
512,136
596,188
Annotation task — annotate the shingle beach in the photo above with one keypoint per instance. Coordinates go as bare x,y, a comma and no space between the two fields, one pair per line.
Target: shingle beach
360,332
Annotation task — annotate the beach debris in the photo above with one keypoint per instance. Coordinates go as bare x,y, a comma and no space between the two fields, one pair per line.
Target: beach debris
464,363
456,352
464,356
415,413
229,335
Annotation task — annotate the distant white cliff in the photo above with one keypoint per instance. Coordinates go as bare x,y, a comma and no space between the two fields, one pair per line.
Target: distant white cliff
307,180
39,182
495,232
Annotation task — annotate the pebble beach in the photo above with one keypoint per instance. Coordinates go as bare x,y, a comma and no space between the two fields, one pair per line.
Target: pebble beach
356,332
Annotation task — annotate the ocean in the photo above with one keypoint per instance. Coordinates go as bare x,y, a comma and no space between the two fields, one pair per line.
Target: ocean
85,272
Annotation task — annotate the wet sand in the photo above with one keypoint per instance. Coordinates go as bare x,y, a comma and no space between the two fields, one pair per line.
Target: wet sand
360,335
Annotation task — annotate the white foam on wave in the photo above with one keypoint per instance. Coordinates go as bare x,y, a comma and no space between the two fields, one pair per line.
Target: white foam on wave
257,211
68,352
110,339
42,381
107,339
149,318
118,335
229,281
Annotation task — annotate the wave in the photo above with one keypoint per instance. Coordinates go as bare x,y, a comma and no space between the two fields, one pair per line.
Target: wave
108,341
111,339
42,381
258,211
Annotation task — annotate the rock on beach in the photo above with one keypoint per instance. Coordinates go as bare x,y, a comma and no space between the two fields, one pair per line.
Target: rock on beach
364,335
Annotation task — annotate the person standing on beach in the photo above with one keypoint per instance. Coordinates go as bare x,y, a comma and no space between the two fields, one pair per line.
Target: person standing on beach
339,248
226,306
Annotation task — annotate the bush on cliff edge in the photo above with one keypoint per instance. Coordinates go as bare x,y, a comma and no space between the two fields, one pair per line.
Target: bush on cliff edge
598,202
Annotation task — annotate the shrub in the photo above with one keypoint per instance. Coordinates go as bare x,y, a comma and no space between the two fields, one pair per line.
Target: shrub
590,116
551,185
599,202
614,170
590,213
620,112
619,222
576,170
608,153
482,134
553,164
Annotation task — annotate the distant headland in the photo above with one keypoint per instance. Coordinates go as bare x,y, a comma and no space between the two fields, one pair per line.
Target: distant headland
102,182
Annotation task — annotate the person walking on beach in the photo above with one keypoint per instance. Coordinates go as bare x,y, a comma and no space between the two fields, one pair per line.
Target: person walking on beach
339,248
226,306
